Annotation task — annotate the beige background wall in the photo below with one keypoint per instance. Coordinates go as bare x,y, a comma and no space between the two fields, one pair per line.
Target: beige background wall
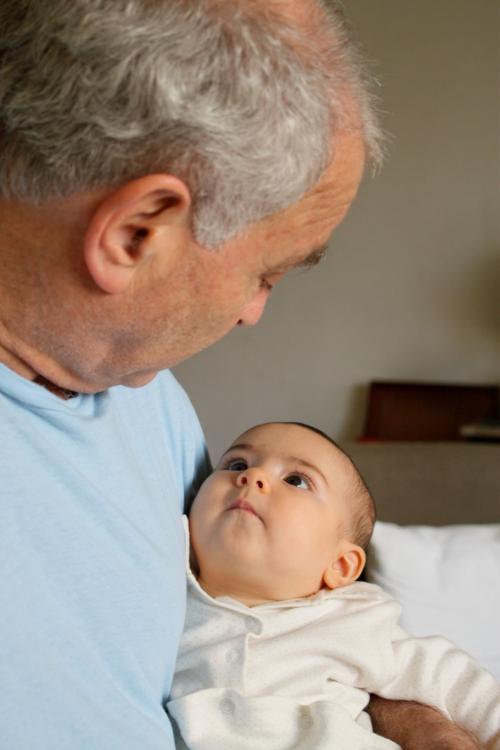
410,289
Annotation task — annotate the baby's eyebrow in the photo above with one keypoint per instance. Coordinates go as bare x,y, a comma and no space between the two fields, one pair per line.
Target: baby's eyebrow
289,459
237,447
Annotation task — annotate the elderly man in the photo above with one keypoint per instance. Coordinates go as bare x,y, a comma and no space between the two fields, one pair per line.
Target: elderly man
162,164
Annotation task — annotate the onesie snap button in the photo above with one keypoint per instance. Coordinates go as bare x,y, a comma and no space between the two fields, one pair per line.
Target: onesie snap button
253,625
227,706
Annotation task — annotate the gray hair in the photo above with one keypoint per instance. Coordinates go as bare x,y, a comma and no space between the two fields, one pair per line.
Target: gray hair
230,97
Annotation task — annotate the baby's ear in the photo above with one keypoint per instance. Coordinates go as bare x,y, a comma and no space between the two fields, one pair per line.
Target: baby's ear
346,567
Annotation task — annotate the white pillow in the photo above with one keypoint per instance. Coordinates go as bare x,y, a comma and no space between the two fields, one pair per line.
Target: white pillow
447,580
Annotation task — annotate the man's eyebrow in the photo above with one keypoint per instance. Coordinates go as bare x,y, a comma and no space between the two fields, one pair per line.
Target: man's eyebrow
315,257
311,260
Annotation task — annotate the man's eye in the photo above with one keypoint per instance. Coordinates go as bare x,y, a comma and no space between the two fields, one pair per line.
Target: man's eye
298,480
265,284
236,464
269,280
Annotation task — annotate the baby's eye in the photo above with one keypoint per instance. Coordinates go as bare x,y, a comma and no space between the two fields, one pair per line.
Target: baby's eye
298,480
236,464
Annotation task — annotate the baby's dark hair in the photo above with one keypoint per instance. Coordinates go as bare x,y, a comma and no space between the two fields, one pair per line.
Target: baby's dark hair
364,512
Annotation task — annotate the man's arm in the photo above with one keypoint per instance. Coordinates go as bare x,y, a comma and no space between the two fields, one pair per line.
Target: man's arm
418,727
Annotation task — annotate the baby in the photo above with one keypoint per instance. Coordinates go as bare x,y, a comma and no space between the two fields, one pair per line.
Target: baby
281,647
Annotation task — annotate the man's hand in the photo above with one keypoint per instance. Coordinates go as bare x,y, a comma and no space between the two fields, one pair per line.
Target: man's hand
414,726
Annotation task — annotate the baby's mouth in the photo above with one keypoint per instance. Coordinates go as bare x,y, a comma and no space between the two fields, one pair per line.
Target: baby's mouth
241,504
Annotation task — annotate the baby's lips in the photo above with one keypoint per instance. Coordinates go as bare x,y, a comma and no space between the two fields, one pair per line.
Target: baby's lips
242,504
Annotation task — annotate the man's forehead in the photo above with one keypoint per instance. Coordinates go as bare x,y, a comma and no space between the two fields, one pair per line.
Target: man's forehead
298,235
314,217
331,196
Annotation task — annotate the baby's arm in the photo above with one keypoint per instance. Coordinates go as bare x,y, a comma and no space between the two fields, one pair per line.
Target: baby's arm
414,726
433,671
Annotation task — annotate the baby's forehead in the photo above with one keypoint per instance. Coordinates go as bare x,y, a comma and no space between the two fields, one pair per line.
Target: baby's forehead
295,441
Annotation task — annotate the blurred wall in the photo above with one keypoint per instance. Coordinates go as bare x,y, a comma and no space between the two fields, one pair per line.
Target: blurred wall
410,289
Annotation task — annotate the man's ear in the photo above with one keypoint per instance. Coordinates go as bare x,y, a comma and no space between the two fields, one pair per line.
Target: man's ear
346,567
145,216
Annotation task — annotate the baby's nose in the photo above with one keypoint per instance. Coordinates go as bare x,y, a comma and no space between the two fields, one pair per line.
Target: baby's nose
253,478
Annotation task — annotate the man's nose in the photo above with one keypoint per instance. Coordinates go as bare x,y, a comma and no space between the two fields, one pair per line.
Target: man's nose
254,478
252,312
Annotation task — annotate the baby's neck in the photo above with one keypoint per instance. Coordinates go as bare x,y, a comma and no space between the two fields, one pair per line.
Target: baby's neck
248,598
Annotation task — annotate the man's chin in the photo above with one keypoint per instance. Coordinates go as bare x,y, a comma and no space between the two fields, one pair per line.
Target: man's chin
137,380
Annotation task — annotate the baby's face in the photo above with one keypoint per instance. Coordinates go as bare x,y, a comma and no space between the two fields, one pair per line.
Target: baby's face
270,522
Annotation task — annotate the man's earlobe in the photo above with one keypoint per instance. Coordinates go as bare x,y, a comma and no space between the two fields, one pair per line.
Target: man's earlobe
346,567
145,216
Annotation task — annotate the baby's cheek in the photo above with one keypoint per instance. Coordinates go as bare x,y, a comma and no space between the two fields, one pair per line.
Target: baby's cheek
203,498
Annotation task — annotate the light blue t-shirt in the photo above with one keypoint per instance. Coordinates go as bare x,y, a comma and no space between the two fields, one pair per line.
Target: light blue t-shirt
92,574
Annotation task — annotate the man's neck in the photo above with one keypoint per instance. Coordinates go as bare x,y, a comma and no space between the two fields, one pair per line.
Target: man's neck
43,336
62,393
21,368
15,364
